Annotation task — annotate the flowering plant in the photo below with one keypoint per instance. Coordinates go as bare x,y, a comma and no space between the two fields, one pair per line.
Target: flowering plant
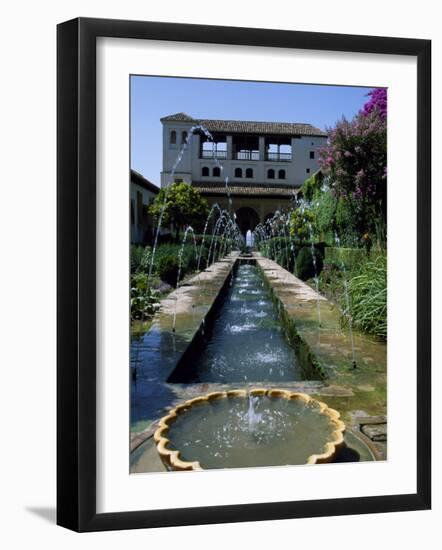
355,160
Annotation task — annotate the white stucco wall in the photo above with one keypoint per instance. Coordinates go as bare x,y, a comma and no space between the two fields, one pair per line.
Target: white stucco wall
190,166
137,229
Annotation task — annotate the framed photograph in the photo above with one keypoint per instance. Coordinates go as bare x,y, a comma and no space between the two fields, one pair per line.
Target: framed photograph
243,274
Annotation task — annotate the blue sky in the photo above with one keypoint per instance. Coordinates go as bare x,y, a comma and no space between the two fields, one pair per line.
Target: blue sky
155,97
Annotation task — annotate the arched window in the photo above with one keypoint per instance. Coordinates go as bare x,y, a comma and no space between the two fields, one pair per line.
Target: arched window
281,174
205,171
271,174
183,137
216,172
238,172
173,137
249,173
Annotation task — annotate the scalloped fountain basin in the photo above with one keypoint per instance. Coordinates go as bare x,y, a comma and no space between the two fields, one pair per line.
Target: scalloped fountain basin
239,429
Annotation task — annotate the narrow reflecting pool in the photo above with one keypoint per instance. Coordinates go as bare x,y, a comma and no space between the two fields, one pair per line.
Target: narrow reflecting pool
247,342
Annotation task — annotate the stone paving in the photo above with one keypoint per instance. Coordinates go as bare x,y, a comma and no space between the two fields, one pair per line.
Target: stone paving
359,394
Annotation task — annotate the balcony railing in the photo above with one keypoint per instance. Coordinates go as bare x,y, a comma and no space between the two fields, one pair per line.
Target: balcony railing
246,155
207,154
279,157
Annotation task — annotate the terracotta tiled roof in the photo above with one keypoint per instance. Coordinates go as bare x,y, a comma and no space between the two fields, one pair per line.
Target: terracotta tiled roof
250,126
178,117
249,189
136,177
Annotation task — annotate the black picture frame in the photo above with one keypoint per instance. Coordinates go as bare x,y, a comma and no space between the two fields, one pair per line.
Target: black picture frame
76,273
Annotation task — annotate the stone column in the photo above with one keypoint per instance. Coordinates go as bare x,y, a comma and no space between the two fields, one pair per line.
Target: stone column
294,141
262,148
195,146
194,160
229,147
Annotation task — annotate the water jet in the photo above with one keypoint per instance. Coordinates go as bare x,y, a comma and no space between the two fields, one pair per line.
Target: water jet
237,428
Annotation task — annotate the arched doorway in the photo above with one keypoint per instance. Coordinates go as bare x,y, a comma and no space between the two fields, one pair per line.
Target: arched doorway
246,218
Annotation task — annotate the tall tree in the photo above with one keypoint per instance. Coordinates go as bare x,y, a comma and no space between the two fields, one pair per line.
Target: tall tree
183,205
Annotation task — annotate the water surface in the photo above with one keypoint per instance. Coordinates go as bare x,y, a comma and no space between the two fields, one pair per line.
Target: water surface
247,343
235,432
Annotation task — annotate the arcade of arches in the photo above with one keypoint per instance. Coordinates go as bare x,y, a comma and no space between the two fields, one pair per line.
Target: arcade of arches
250,211
247,219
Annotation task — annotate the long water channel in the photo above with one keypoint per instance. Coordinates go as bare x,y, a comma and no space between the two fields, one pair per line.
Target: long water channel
247,342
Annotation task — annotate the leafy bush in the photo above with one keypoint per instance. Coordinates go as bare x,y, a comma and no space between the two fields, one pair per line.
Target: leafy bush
140,258
306,267
311,187
207,239
167,267
204,256
368,297
167,255
284,250
143,300
301,224
135,257
166,261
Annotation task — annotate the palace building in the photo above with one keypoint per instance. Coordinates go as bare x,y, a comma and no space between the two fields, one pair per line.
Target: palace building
142,193
265,162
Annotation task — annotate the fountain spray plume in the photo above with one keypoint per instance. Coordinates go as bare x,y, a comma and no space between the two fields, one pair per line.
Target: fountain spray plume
294,201
288,241
281,222
226,239
270,223
252,416
228,224
188,230
221,220
261,236
302,206
347,311
215,206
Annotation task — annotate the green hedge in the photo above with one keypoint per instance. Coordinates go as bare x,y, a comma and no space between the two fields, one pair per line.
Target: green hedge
284,251
309,263
350,257
166,261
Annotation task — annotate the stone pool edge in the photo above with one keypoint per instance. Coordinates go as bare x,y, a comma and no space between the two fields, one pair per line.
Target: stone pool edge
171,457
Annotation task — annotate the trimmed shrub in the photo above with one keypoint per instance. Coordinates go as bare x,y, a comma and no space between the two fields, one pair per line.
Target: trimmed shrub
277,243
306,266
171,251
166,260
167,267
